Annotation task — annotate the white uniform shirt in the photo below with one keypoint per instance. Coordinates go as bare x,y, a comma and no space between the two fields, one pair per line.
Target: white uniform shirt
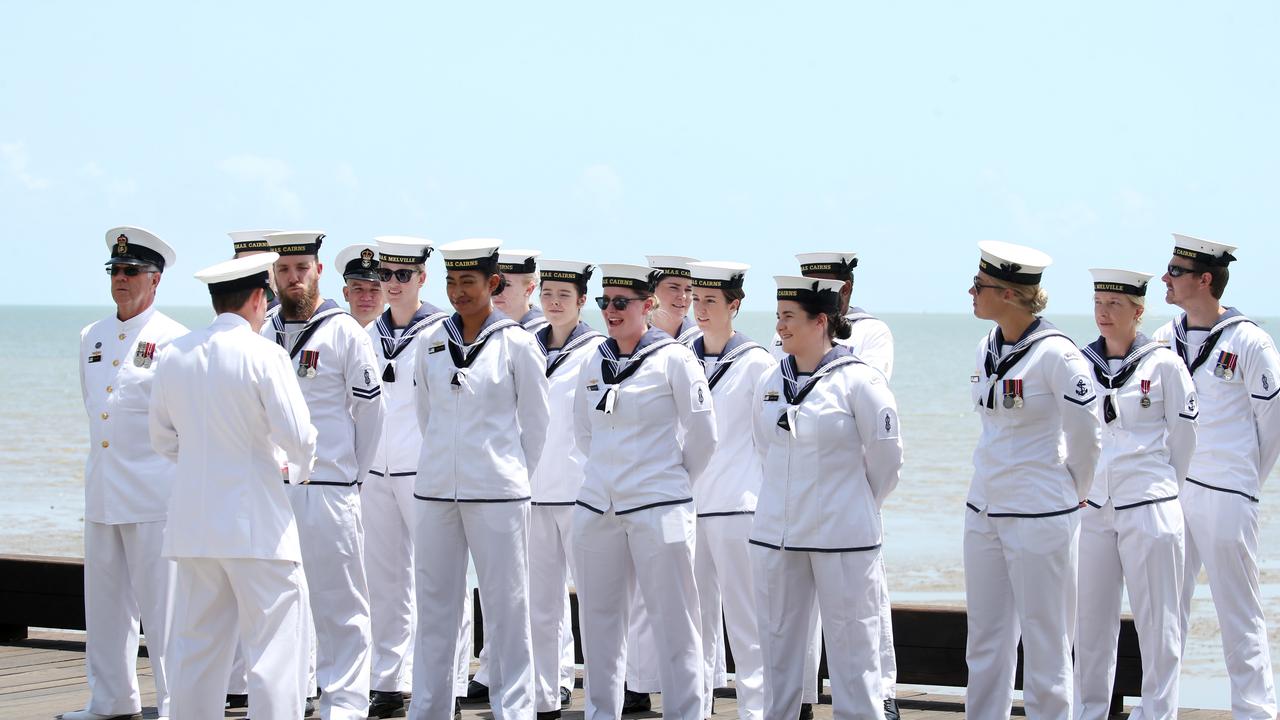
125,481
533,320
484,423
654,399
344,395
869,339
828,472
1145,448
1239,425
225,399
559,474
1039,455
731,482
401,441
688,331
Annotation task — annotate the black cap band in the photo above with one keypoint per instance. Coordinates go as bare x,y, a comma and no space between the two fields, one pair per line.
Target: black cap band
1205,258
733,283
633,283
678,272
131,253
827,301
1009,272
248,282
405,259
839,269
1116,287
578,278
528,267
307,248
487,265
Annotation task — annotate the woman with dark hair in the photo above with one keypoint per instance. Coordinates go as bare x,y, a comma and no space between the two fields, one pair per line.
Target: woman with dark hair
826,427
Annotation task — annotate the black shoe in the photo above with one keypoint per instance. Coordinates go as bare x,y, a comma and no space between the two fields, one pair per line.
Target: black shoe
549,715
635,702
386,704
566,697
310,709
457,709
806,711
237,700
476,693
891,709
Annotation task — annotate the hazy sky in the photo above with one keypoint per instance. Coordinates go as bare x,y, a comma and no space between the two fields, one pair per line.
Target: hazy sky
603,131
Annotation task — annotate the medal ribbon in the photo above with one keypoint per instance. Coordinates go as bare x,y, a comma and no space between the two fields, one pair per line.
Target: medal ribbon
1231,317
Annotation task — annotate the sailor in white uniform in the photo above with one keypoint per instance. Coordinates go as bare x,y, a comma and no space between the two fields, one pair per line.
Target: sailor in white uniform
637,398
674,295
232,531
519,270
482,406
337,369
725,495
1235,368
1131,529
126,483
1033,468
567,343
361,288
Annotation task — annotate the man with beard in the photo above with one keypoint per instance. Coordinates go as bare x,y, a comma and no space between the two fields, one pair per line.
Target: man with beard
360,286
337,369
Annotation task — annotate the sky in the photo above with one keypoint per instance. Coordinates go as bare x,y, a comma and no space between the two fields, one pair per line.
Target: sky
744,131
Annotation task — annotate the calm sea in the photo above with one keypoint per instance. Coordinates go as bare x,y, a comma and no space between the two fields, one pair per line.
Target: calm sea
43,441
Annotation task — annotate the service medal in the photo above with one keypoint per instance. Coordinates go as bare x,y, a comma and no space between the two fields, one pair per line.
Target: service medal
1008,402
1227,374
308,363
1226,366
1146,397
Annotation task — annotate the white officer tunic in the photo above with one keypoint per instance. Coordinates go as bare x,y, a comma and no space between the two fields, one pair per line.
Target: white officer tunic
555,490
473,488
232,530
832,452
725,499
635,521
1033,466
1235,368
1131,531
338,373
126,488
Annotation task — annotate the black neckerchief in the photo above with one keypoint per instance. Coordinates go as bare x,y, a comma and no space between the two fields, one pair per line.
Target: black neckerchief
993,364
837,357
1096,352
327,309
425,315
461,353
737,346
615,370
581,334
1182,347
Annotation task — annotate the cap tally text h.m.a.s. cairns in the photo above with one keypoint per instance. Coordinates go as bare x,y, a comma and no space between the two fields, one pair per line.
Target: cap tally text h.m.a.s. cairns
472,254
518,262
570,271
677,265
296,242
827,264
636,277
719,275
1205,252
824,294
1011,263
250,240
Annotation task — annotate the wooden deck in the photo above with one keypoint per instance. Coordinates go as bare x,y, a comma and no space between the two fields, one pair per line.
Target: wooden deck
43,676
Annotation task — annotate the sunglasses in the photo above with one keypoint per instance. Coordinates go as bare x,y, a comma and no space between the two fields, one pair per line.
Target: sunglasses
402,275
619,303
1179,271
128,270
979,287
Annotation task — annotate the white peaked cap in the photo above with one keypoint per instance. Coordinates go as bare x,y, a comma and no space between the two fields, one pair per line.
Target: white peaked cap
671,264
131,245
1203,251
469,253
403,249
1121,281
722,274
623,275
359,261
250,240
250,271
1017,264
827,263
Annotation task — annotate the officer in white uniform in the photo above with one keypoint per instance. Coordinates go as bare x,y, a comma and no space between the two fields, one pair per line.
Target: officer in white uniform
643,417
361,288
1131,530
725,495
1235,368
337,369
126,484
1033,467
826,428
232,531
473,484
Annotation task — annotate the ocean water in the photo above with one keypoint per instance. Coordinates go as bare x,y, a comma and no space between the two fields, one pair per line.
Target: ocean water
43,441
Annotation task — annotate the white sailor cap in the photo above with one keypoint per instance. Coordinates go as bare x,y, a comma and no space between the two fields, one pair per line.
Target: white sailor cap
1119,281
1205,252
636,277
242,273
250,240
358,262
403,249
134,246
1016,264
520,262
816,264
677,265
721,274
571,271
296,242
820,293
472,254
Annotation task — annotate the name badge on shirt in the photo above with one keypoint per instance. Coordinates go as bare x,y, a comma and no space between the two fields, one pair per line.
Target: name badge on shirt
1226,367
308,361
95,356
594,386
144,355
435,348
771,396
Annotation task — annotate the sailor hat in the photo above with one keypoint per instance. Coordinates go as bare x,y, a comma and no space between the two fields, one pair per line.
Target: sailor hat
677,265
134,246
721,275
1205,252
1120,281
403,249
519,262
242,273
572,271
472,254
296,242
636,277
1016,264
823,293
818,264
250,240
358,262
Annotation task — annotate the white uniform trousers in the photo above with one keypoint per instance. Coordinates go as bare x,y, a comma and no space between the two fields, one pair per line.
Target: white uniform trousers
722,565
888,658
260,604
331,532
1020,580
497,535
846,587
652,548
125,581
642,649
388,506
1138,548
1222,536
568,661
549,575
239,682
